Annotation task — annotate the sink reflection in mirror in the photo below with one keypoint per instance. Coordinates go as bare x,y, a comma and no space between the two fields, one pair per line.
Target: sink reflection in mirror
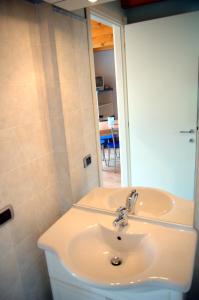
151,203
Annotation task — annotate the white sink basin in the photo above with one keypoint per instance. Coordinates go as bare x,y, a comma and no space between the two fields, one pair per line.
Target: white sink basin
151,202
91,251
152,255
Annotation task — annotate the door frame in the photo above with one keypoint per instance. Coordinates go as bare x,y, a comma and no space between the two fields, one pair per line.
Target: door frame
121,85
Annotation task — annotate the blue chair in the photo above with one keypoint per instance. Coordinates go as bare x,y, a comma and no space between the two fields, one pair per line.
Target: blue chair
106,138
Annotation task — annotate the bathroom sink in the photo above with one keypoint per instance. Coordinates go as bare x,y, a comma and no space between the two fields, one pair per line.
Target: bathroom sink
99,253
94,252
150,203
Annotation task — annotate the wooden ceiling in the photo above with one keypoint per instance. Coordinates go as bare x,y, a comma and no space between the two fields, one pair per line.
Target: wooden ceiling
102,36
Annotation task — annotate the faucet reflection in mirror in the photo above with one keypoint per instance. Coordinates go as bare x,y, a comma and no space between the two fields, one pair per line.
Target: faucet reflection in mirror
131,201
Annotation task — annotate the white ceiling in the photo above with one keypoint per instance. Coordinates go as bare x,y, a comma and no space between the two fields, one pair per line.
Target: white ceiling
75,4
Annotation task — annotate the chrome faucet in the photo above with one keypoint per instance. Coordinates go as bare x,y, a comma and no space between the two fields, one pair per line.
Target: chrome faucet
122,212
131,201
122,217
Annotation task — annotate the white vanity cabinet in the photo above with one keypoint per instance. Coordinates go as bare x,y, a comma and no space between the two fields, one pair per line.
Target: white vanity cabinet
67,287
64,285
63,291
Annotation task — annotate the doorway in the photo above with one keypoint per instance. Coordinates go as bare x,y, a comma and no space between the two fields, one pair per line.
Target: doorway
115,171
106,92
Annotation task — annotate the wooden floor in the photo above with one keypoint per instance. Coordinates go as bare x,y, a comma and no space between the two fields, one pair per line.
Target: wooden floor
111,176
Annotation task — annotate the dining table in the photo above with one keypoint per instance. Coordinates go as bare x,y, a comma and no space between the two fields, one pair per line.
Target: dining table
105,129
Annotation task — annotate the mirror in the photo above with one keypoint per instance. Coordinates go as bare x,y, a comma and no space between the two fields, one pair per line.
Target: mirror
162,80
141,202
162,86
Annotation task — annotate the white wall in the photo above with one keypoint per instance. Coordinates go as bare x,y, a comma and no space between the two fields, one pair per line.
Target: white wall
105,66
46,127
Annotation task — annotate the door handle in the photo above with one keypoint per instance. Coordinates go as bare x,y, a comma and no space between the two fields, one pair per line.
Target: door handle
187,131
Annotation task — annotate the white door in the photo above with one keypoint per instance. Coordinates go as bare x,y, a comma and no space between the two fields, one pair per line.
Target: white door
162,76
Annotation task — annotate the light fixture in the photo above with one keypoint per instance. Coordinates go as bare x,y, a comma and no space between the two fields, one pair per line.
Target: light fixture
93,1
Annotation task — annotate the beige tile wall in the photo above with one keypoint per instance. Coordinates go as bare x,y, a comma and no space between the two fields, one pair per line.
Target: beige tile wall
46,127
76,94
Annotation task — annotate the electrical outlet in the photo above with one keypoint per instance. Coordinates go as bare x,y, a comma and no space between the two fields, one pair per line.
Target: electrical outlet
87,160
6,214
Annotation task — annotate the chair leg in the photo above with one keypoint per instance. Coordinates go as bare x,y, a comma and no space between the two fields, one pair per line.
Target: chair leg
104,156
102,150
108,156
115,153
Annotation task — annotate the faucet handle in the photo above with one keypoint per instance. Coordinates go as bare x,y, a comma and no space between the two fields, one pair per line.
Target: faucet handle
122,212
122,217
133,193
131,201
121,209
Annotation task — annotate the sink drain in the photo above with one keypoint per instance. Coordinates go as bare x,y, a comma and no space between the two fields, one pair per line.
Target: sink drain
116,261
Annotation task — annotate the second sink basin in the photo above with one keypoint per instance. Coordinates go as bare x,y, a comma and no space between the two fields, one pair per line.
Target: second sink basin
151,202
